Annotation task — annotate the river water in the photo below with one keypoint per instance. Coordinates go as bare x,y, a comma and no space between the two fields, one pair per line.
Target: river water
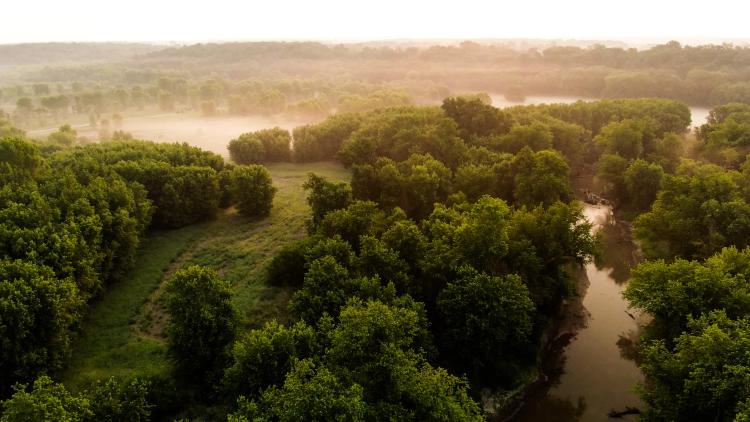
591,371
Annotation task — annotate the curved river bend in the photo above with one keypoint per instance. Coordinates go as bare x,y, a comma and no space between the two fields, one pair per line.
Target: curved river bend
592,371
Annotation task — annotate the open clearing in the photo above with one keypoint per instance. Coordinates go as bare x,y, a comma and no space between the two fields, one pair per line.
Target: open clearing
123,333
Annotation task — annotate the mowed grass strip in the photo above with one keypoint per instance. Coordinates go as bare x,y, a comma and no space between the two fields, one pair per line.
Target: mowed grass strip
106,346
113,341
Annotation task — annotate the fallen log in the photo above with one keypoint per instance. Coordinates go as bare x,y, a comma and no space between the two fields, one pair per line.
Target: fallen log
628,411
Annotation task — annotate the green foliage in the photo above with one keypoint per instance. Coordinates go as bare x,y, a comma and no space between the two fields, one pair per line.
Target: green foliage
698,211
611,170
375,100
432,394
476,180
287,267
182,195
535,243
475,118
263,146
247,149
64,236
627,138
113,401
65,136
181,181
92,158
666,115
334,246
7,130
252,190
705,376
123,214
50,401
328,286
544,242
414,185
407,240
202,321
369,331
46,401
540,178
674,292
37,314
225,184
487,324
262,358
322,141
326,196
643,182
359,218
379,347
398,133
376,258
536,136
19,160
310,392
666,152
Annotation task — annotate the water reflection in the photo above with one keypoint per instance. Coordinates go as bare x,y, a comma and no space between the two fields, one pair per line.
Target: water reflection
590,369
616,251
555,409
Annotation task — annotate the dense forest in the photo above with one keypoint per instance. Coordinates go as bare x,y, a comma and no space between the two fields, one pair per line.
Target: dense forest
294,78
408,253
428,278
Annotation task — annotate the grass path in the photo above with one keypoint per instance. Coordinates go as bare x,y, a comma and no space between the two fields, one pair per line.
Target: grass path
122,335
106,346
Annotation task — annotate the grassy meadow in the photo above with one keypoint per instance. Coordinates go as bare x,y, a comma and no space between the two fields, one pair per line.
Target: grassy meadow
123,335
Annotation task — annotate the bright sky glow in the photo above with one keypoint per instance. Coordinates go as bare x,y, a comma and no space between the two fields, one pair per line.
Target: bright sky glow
353,20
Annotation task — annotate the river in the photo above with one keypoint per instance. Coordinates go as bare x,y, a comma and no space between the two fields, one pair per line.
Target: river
591,371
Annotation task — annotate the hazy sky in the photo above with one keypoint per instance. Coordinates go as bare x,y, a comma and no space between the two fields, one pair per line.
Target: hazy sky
211,20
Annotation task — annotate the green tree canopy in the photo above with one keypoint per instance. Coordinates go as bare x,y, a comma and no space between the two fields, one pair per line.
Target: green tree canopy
252,190
202,321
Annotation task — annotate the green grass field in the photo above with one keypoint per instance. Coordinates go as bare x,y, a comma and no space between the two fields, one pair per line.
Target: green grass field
123,333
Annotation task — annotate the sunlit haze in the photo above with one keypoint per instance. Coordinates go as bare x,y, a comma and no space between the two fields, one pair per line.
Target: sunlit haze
171,20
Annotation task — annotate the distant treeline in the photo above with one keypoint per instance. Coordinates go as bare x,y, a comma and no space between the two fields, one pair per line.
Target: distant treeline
61,53
701,75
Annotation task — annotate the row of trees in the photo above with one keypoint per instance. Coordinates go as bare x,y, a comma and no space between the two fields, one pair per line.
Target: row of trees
72,222
706,75
300,98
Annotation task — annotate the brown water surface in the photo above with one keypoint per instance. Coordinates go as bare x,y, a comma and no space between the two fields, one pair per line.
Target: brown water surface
594,372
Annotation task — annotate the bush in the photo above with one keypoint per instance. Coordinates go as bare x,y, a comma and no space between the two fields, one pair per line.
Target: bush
262,357
287,268
47,401
252,190
120,401
268,145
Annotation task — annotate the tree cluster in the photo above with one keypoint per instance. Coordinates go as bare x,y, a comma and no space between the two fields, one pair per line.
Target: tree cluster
72,223
263,146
